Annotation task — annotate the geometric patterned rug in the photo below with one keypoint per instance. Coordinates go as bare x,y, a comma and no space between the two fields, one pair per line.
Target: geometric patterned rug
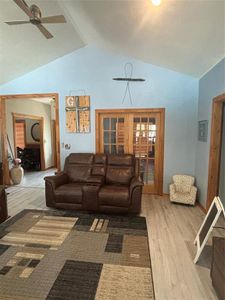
70,255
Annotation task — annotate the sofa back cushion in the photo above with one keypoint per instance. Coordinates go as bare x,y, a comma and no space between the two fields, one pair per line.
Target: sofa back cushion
78,166
99,166
81,158
120,169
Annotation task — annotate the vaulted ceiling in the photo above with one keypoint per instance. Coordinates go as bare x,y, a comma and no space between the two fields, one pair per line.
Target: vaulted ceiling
186,36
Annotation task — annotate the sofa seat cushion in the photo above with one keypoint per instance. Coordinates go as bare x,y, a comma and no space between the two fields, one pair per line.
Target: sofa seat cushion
114,195
69,193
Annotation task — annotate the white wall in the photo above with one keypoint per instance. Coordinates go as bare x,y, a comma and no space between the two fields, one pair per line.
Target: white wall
93,70
34,108
29,123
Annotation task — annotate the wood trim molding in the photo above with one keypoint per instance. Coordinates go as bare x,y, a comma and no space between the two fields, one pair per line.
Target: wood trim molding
24,96
41,144
219,98
215,148
160,111
3,98
25,116
42,149
161,151
201,207
4,142
14,121
129,110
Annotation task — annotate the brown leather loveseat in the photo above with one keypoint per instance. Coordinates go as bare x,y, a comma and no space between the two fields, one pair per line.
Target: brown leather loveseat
96,182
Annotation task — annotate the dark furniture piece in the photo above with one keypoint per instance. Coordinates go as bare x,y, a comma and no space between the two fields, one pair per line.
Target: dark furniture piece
3,205
30,158
96,182
218,267
1,174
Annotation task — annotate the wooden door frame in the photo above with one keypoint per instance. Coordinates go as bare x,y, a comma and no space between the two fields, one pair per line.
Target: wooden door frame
41,120
54,144
14,120
215,148
4,146
161,111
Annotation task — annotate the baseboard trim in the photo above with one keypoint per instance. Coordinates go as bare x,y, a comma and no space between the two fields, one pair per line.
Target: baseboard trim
49,168
201,207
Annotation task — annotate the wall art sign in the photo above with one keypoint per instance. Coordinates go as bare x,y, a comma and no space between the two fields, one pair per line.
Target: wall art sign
203,130
78,114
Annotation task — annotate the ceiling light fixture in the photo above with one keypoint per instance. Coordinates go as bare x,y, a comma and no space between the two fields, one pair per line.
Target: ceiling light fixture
156,2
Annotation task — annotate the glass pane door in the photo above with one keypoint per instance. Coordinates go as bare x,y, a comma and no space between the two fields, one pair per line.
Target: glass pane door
139,132
144,147
113,134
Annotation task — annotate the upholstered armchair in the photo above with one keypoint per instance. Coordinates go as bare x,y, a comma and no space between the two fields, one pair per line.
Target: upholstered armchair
182,190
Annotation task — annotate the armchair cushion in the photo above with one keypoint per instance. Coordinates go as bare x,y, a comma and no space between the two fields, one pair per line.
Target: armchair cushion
183,183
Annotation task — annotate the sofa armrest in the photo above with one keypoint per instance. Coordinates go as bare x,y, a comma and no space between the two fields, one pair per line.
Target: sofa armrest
135,182
135,195
57,180
96,179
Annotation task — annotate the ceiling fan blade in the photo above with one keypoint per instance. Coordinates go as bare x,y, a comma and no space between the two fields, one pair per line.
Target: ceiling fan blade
22,4
44,31
17,22
54,19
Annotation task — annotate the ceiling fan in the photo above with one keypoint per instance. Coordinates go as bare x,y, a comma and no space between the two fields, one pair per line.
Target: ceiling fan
34,13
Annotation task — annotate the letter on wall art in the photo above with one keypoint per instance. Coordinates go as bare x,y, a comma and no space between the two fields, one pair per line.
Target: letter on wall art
78,114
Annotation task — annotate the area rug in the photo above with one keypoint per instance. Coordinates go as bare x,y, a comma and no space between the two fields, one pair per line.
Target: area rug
69,255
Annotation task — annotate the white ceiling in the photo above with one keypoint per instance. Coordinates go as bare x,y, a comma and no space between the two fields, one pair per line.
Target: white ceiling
23,48
183,35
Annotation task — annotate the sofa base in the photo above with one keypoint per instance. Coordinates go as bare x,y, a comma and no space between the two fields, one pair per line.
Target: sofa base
101,209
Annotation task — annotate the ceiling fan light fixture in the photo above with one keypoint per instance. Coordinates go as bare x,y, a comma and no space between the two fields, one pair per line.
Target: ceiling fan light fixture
156,2
34,14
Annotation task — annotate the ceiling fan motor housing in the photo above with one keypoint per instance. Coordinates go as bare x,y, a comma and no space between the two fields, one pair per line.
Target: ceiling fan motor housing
35,10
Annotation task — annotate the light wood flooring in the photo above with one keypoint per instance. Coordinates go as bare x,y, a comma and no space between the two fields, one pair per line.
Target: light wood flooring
171,228
35,178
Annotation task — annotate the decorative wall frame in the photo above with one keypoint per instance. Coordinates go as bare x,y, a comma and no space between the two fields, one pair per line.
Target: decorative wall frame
203,130
78,114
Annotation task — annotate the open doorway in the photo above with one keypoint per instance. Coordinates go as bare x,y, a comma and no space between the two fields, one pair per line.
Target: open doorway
28,140
30,131
216,163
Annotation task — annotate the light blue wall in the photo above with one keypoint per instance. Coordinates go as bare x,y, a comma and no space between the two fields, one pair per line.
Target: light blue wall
93,70
210,86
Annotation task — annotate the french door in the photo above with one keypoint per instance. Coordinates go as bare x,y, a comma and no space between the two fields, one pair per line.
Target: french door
140,132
